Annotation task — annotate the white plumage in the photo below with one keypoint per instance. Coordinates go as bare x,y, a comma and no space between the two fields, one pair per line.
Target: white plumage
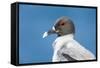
68,49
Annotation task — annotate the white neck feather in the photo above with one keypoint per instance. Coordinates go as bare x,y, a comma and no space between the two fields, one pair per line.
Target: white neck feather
61,40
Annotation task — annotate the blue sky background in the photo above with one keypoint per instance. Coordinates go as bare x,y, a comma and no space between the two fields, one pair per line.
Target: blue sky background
34,20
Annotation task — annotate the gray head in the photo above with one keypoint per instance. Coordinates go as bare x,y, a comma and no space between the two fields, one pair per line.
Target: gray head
63,26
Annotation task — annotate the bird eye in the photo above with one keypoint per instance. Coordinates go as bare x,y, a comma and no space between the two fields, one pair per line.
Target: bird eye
62,23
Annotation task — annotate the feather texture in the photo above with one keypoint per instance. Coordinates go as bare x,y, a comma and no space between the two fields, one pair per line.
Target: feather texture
68,49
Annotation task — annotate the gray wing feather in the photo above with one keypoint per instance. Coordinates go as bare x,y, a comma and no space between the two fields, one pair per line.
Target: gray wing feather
68,57
73,51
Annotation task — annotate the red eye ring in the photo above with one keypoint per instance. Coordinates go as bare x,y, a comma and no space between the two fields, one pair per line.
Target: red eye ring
62,23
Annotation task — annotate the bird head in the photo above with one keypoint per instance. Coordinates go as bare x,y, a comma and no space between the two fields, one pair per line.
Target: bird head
63,26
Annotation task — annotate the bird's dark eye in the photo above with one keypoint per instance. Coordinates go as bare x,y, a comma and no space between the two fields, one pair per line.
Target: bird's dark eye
62,23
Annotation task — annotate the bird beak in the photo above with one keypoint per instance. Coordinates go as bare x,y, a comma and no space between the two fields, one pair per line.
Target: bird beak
51,31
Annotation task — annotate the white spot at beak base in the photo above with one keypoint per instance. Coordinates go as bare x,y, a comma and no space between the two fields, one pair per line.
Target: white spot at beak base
45,34
53,28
